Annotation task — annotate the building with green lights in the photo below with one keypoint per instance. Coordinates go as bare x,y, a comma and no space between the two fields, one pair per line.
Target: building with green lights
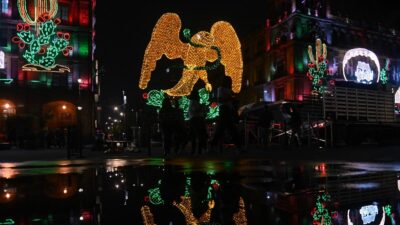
41,101
276,57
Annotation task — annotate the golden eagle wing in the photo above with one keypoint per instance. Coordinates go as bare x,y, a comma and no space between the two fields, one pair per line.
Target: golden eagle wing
226,40
164,41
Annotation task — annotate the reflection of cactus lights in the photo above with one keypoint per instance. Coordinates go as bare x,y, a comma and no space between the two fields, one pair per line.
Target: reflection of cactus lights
320,213
388,212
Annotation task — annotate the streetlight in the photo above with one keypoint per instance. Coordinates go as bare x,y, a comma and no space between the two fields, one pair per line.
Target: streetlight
121,114
115,108
64,107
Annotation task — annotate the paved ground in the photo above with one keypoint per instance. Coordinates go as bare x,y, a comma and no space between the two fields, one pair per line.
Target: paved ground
359,153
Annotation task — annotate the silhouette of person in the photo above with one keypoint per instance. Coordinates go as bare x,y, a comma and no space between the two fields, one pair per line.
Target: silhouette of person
228,117
197,123
171,189
167,122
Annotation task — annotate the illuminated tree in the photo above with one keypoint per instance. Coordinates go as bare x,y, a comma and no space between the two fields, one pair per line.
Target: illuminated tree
317,69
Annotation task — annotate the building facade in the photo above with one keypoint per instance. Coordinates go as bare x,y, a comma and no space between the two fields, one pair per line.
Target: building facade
42,101
276,58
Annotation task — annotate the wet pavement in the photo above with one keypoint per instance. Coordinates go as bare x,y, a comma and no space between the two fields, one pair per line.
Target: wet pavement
259,190
369,153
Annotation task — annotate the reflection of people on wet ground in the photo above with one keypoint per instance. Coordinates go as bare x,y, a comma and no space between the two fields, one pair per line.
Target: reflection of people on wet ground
197,124
200,183
171,189
232,205
167,121
190,203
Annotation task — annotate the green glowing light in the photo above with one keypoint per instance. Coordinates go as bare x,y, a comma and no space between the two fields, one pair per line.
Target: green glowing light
188,185
204,96
318,69
43,47
6,80
213,112
388,212
383,74
183,103
320,211
83,46
155,98
155,195
7,222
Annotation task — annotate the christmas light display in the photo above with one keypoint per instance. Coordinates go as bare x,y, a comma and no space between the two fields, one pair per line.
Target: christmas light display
41,6
188,186
39,38
220,46
382,222
240,217
155,98
184,106
320,213
383,74
368,213
185,206
213,111
204,96
363,72
388,212
148,218
317,69
155,195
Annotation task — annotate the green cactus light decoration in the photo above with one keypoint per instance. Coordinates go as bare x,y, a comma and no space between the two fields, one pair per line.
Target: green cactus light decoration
43,44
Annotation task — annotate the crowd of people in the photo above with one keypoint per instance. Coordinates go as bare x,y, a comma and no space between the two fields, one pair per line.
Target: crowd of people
202,135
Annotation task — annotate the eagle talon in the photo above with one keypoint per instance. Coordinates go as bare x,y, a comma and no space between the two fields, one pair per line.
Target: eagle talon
208,87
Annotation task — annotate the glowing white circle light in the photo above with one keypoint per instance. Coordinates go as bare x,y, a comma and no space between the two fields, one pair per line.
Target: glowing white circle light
360,52
397,99
382,222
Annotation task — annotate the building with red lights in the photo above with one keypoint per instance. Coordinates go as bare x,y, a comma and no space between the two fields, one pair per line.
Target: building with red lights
38,102
276,58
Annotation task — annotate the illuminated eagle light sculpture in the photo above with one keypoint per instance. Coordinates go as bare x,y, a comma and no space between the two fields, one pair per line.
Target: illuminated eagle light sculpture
219,46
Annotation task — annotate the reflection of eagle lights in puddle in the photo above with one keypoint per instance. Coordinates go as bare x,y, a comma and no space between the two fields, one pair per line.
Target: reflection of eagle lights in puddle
360,52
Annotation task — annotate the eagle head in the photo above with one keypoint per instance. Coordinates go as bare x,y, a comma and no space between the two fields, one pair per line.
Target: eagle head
203,38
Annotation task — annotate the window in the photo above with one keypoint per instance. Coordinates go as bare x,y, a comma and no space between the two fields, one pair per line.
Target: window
62,13
4,6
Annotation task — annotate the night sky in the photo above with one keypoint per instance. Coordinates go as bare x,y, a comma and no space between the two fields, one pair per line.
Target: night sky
124,29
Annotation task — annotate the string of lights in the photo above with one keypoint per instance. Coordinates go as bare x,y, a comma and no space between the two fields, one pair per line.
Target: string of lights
317,69
40,9
220,46
43,44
